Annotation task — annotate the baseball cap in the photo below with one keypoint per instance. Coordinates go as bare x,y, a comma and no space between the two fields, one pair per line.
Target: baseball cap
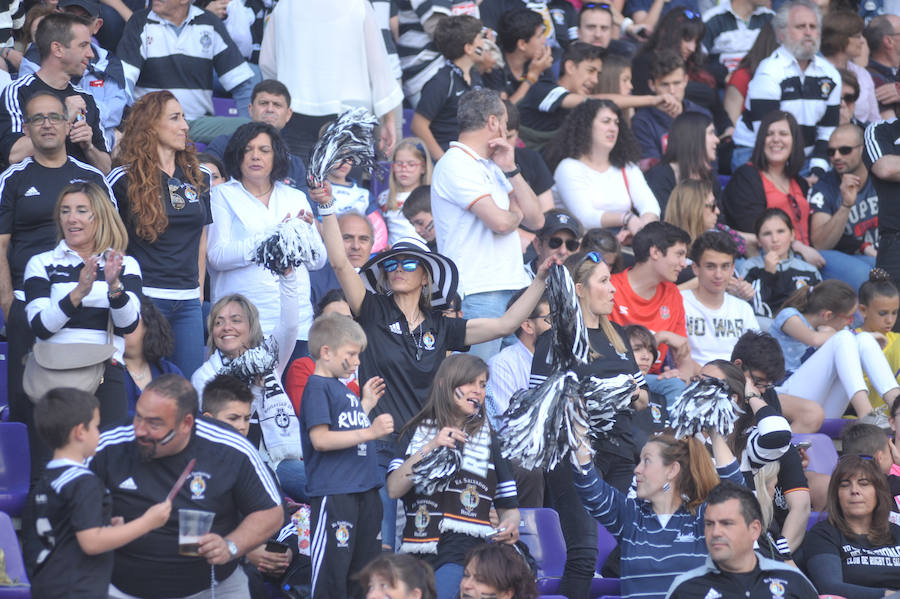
559,220
91,6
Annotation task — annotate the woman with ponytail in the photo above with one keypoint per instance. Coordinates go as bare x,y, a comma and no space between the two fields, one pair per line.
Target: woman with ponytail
823,358
661,531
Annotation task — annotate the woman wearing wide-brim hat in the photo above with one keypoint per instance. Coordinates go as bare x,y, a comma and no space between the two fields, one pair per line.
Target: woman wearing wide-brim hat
396,297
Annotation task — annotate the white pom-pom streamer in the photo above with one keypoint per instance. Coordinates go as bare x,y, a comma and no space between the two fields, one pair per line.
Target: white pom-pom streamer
706,404
604,398
289,245
351,137
570,344
434,472
254,362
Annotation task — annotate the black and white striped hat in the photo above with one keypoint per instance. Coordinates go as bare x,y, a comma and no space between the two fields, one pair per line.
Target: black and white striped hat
444,276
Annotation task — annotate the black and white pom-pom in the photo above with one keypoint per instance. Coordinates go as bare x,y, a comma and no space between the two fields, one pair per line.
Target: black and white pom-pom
604,398
350,137
254,362
433,472
289,245
705,405
537,430
570,344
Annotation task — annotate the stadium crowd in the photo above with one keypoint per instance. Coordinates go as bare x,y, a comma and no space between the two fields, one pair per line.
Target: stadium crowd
715,176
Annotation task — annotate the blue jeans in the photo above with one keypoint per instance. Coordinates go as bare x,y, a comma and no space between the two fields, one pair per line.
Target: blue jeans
489,304
186,319
740,157
852,269
670,388
447,579
292,476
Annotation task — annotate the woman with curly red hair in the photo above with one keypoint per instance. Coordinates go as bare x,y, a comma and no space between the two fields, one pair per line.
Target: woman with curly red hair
163,198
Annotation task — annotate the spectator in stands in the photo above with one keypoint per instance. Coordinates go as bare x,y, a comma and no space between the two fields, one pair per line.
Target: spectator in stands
811,325
399,575
163,200
647,295
243,212
547,103
270,103
534,167
651,125
655,418
351,66
731,30
350,196
673,478
499,570
146,348
772,180
526,55
733,524
594,150
884,58
739,81
461,42
871,442
615,78
796,61
414,32
411,167
29,192
690,153
845,555
777,271
559,238
64,43
215,166
417,210
189,46
844,203
478,198
358,238
650,13
104,77
454,415
92,240
605,242
879,302
715,319
882,157
849,96
238,488
597,22
842,44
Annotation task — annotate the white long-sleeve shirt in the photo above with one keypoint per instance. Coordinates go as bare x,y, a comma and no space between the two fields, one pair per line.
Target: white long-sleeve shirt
240,222
588,193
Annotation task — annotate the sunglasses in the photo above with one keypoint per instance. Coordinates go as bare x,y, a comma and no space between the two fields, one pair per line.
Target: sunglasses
177,200
594,5
711,206
849,98
555,242
407,264
795,208
595,257
844,150
691,15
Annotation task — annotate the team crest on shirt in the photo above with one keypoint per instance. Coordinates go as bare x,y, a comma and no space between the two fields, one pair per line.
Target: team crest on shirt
206,41
197,485
190,193
342,533
664,312
826,87
776,587
656,413
428,340
422,518
470,497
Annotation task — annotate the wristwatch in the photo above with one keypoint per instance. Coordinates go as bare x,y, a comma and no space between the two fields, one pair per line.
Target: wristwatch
232,548
512,173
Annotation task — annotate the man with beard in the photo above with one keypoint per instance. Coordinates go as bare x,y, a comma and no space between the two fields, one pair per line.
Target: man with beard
141,462
796,79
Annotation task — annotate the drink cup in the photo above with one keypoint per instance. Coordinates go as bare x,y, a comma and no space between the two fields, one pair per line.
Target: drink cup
192,524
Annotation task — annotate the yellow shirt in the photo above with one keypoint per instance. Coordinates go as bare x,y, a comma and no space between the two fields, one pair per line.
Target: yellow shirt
892,353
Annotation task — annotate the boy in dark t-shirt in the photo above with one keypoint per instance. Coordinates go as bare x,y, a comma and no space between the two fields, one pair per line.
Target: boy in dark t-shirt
338,451
69,540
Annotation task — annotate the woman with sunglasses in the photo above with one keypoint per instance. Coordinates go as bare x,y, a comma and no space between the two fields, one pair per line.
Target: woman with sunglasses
163,199
660,531
245,209
616,454
772,180
396,297
842,44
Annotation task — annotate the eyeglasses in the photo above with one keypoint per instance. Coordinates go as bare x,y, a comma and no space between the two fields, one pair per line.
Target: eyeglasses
401,166
704,377
571,244
759,384
712,206
849,98
39,119
844,150
407,264
178,202
544,317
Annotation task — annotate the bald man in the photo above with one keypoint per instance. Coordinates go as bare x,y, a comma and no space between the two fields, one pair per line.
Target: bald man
359,237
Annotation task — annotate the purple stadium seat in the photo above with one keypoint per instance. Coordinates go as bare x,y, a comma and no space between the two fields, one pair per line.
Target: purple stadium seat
15,566
823,456
15,467
834,426
600,586
380,179
539,529
224,107
4,400
407,122
815,518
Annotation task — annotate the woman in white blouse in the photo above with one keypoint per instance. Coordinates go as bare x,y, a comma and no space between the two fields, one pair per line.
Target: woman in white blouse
597,179
244,211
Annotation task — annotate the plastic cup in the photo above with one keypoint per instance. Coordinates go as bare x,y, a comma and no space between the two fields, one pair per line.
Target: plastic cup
192,524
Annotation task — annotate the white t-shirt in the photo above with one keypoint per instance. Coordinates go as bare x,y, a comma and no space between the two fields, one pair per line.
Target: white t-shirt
350,198
713,333
398,225
587,193
487,261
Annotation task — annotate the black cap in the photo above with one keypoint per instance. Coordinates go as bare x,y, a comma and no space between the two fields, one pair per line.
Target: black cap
91,6
559,220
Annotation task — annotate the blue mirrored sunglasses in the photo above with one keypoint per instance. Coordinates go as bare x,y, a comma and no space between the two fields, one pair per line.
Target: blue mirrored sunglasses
408,264
595,257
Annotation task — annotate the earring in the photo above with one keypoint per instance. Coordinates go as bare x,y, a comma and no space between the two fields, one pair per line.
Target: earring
667,487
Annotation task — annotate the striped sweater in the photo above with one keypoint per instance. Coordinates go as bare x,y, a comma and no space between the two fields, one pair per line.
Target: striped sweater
652,554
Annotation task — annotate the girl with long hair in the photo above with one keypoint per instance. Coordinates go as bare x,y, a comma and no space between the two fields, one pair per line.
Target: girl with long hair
397,576
879,302
163,198
444,525
497,572
410,167
615,78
